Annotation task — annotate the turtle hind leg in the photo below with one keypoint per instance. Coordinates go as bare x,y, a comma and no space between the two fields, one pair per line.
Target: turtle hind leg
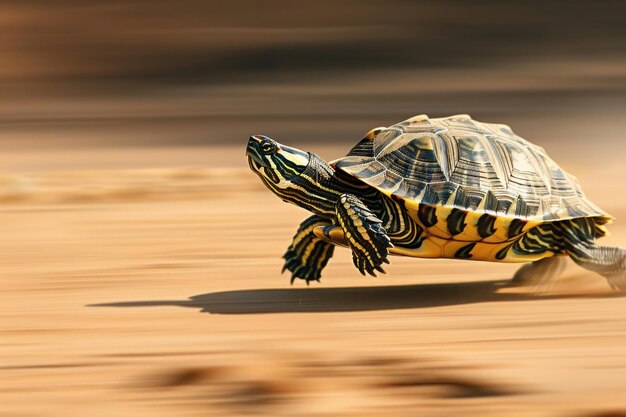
540,272
577,239
610,262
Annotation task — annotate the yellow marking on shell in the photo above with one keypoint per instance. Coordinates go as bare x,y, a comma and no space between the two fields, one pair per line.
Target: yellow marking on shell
441,227
412,210
424,143
502,228
417,118
372,133
441,212
451,247
530,224
470,233
428,249
436,247
440,230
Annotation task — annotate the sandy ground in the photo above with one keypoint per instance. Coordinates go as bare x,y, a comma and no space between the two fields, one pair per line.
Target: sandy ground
131,287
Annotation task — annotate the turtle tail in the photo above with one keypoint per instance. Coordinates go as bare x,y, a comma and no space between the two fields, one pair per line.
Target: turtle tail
577,240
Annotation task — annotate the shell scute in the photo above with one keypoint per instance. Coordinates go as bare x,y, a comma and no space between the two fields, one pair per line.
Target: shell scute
460,163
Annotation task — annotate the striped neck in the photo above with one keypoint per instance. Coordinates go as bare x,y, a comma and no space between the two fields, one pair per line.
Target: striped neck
316,189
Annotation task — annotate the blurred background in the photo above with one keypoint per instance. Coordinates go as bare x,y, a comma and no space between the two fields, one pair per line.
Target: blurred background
127,209
194,73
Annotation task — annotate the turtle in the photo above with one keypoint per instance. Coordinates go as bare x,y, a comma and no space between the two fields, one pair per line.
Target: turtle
449,187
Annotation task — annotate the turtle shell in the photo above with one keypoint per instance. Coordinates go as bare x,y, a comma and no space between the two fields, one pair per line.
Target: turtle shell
457,163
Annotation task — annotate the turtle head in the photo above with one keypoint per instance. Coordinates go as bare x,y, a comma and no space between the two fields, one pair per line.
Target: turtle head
296,177
274,162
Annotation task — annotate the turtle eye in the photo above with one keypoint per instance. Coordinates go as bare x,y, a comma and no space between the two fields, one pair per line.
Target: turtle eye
268,148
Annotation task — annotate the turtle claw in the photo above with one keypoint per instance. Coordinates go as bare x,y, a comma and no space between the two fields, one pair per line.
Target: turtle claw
308,280
368,266
370,270
301,272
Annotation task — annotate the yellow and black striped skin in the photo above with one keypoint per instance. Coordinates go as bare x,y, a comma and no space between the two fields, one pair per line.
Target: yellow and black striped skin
364,234
307,254
476,190
301,178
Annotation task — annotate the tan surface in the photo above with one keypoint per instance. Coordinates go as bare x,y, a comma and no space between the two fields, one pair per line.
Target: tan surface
119,291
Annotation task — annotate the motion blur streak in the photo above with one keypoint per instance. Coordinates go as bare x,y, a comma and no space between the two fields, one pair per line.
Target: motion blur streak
127,209
194,72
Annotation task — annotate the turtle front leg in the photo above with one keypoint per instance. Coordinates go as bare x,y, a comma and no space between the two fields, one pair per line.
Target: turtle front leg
308,254
363,233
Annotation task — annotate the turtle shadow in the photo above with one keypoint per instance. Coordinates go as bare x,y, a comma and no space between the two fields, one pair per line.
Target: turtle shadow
349,299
